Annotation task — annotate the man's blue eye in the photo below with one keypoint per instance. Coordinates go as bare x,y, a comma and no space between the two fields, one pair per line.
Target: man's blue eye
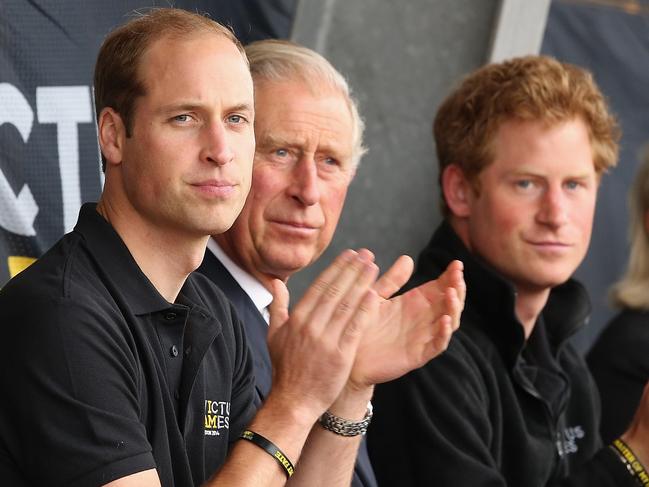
235,119
572,184
281,152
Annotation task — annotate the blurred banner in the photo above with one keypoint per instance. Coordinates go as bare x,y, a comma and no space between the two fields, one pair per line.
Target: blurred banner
49,158
611,39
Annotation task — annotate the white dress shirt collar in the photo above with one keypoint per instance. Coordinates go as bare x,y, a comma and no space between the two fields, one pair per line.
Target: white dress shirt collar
259,295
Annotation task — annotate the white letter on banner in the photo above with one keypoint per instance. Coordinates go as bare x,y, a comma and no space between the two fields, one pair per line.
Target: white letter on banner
17,212
66,106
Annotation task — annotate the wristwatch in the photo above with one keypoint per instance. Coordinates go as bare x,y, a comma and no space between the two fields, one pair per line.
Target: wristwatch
346,427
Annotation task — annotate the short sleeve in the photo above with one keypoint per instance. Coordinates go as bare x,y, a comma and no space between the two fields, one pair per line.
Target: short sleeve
70,383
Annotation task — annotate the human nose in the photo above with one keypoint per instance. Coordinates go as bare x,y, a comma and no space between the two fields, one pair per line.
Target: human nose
304,184
216,145
554,210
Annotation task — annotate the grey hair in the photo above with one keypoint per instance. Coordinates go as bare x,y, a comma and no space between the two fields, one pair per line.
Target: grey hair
632,291
278,60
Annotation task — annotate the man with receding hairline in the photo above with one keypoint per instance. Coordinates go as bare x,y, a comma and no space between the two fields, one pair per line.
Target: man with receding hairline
126,368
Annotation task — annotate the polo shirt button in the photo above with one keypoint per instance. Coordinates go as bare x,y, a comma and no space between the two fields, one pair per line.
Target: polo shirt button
188,350
176,394
170,316
173,351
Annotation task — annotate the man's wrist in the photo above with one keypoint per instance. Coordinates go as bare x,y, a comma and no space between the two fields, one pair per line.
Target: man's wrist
273,450
352,401
632,463
639,445
292,411
346,427
285,422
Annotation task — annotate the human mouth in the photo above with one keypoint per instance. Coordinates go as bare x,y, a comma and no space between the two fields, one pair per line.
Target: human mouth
216,188
550,246
296,228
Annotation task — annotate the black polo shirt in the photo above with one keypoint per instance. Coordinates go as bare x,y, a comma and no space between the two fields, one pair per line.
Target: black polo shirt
101,377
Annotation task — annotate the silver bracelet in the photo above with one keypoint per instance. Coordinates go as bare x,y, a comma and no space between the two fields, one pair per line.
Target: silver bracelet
345,427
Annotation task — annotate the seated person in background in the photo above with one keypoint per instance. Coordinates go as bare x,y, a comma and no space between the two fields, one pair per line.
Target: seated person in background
309,142
619,359
522,146
128,369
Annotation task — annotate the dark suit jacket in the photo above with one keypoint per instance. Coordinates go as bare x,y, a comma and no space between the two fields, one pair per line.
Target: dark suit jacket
256,330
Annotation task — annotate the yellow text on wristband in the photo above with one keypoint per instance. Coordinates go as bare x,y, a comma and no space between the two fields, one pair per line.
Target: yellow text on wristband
633,465
270,448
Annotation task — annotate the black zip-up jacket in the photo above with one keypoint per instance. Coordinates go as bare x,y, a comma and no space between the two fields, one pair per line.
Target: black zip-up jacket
495,410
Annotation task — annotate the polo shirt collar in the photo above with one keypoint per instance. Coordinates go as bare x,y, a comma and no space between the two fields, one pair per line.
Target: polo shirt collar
259,295
116,262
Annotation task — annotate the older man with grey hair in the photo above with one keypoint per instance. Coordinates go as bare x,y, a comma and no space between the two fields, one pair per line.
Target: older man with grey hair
308,144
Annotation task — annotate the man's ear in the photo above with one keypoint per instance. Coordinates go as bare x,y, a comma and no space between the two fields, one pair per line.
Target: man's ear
457,190
112,134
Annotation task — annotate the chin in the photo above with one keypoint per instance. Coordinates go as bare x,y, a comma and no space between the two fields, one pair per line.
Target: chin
550,281
217,228
540,278
285,268
286,256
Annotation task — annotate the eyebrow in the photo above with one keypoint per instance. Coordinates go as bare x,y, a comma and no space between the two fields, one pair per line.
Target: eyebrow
270,139
193,106
241,107
273,140
535,175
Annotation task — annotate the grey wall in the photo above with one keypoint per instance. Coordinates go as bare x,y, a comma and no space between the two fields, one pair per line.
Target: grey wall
401,58
613,43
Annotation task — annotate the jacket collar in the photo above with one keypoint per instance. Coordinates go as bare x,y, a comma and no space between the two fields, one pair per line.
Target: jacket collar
258,294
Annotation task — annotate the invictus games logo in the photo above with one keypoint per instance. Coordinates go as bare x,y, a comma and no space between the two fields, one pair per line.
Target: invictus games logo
217,417
567,440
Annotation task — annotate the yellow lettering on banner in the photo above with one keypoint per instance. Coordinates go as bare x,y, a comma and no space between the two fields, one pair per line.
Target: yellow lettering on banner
18,263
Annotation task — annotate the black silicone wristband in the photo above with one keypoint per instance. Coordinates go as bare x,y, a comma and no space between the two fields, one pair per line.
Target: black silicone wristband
628,458
271,449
